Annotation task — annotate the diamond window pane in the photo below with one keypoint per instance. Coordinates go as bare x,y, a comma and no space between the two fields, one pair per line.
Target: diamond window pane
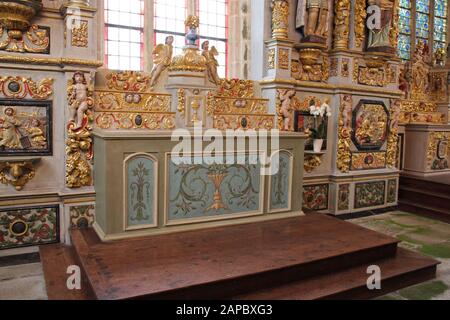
440,8
440,29
405,21
405,4
404,46
423,6
422,25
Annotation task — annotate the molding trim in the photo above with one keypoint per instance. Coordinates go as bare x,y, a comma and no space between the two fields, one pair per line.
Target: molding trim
60,62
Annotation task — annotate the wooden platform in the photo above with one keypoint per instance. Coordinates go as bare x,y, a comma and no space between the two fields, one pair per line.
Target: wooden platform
429,197
312,257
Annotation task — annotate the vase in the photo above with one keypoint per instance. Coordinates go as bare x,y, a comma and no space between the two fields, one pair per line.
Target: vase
318,143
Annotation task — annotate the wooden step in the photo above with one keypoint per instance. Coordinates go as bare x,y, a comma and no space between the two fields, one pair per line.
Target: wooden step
405,269
428,197
55,260
227,261
425,199
426,211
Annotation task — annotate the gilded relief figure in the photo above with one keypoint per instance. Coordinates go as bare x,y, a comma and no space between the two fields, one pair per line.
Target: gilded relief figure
312,17
78,99
162,57
36,134
379,39
10,136
211,62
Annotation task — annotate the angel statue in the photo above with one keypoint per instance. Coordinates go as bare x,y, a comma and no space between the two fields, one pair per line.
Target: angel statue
211,62
79,100
162,57
286,108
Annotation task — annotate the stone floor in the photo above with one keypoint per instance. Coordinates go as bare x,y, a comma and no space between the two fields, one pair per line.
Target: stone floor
24,280
21,275
429,237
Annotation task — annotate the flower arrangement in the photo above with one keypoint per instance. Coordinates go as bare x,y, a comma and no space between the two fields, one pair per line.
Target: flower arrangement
322,111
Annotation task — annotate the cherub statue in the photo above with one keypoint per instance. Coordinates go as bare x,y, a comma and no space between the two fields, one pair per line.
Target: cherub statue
286,108
162,57
79,100
347,111
211,62
10,126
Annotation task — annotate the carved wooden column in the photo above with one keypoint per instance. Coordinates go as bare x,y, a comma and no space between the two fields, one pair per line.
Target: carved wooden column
341,24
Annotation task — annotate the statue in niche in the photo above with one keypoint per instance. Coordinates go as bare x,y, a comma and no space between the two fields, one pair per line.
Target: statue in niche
286,108
312,19
379,39
211,62
79,101
10,137
162,57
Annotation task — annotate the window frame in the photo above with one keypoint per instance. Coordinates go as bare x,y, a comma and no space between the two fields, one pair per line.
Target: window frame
149,33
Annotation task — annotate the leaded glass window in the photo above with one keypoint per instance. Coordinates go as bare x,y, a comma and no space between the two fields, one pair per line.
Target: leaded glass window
422,21
404,38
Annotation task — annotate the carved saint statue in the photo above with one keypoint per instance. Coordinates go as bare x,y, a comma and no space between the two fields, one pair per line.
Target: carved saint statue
78,99
312,17
286,108
10,125
162,57
380,38
211,62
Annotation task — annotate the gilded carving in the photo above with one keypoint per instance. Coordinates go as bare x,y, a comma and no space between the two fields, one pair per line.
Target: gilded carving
18,173
162,58
134,110
190,59
312,71
280,19
368,160
20,87
371,76
419,72
271,59
59,62
211,62
392,141
344,134
181,102
345,67
360,22
79,151
438,151
35,40
341,24
312,162
283,59
128,81
334,67
80,33
236,88
245,122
